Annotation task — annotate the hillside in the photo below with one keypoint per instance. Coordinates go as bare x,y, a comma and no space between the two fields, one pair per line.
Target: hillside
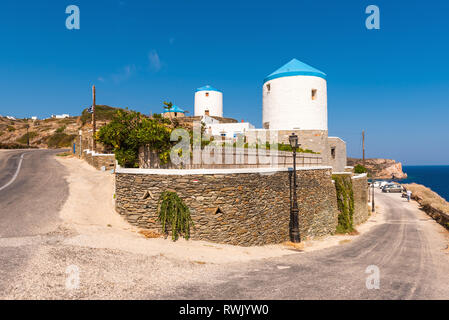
381,168
49,133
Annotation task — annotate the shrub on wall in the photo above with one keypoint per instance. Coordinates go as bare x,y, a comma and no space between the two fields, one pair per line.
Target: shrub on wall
345,201
174,212
360,169
129,130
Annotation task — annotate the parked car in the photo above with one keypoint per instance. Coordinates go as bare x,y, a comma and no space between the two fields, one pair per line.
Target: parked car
377,184
393,187
383,184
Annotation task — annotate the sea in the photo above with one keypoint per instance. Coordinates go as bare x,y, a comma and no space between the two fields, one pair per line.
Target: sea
433,177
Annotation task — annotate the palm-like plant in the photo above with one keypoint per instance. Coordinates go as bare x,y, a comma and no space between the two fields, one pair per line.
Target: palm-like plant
167,107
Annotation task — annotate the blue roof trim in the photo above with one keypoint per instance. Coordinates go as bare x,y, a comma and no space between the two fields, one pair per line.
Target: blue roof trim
207,88
295,73
295,68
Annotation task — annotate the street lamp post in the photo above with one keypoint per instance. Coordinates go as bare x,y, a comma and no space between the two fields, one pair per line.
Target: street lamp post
372,200
294,225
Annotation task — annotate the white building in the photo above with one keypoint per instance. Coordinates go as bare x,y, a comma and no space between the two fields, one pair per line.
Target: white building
209,120
60,116
229,130
295,97
209,102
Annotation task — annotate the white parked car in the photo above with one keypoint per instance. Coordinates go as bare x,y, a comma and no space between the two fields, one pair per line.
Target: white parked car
376,184
383,184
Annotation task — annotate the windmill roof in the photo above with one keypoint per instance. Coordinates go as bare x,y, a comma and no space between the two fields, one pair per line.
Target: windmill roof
207,88
295,68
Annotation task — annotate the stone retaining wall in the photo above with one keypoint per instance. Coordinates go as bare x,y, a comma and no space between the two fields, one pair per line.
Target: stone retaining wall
360,190
98,160
244,207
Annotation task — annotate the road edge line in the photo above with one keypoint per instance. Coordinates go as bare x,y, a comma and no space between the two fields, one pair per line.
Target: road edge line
15,175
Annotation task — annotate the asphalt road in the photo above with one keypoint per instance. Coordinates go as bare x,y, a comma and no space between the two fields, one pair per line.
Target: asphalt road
409,251
30,204
30,200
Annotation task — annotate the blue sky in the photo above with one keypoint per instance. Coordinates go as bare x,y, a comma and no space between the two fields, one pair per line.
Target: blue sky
392,82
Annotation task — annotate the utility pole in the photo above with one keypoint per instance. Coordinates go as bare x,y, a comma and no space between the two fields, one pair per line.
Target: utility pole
363,146
94,122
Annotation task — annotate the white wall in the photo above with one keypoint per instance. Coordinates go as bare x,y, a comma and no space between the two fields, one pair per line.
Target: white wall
229,128
289,105
209,120
213,103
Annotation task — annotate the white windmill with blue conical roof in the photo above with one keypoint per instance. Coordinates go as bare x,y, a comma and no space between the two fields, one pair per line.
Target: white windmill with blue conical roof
295,98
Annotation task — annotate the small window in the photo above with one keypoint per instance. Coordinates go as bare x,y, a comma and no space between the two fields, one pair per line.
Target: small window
333,152
206,112
207,94
314,94
268,87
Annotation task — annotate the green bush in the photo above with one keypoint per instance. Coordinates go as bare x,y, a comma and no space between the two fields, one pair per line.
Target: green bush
61,129
102,113
60,140
174,212
11,128
24,139
15,146
345,202
360,169
129,130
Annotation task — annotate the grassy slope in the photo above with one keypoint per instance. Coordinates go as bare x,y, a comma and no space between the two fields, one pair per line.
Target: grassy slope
49,133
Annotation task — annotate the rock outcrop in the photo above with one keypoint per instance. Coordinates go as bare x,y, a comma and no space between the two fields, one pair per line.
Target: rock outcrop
381,168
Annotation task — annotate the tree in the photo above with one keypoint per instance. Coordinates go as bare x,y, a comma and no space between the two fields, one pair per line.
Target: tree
129,130
167,107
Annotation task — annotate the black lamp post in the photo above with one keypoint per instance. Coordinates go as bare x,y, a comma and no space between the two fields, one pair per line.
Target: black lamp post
294,225
372,200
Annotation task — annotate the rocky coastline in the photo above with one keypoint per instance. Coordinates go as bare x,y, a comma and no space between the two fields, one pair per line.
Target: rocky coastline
380,168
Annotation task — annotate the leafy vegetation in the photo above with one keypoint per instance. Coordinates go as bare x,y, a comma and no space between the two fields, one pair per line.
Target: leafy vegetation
61,129
129,130
11,128
102,113
24,139
64,154
174,212
15,146
60,140
360,169
345,201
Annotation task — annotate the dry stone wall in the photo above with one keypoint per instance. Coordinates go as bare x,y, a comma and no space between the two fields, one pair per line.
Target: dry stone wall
360,190
232,206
